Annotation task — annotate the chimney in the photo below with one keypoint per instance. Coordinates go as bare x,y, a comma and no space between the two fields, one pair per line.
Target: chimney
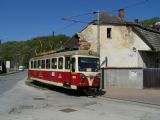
121,14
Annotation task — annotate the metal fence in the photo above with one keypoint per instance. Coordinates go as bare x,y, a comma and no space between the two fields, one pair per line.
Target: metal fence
123,77
151,78
138,78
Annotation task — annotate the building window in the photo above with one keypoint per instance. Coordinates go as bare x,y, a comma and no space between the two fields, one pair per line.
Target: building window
109,31
48,64
54,63
60,63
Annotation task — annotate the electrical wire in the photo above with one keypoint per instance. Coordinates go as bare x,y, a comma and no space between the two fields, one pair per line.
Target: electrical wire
92,13
88,18
136,4
65,27
75,21
131,5
80,15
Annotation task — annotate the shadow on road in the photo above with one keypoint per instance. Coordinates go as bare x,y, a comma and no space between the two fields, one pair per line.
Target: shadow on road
70,92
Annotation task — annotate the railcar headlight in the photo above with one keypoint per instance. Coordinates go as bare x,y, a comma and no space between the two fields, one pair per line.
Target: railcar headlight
82,78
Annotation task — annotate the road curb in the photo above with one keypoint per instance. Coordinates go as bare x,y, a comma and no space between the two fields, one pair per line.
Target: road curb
157,106
4,74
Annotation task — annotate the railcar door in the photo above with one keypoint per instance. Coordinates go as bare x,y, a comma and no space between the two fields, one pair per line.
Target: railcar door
73,73
67,71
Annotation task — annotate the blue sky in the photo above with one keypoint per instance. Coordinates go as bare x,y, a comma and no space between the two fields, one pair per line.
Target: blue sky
26,19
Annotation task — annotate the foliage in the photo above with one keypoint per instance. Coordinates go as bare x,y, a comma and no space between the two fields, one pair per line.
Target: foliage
149,23
21,51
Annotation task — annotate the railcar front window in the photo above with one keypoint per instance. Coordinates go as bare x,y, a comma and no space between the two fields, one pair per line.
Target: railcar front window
88,64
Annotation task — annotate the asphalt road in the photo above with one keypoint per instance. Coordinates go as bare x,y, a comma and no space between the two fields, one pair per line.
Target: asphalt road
21,102
10,80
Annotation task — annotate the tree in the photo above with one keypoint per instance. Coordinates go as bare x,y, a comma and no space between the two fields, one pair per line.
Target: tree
22,51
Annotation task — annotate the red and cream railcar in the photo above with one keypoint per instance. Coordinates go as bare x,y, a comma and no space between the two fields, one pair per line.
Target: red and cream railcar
72,69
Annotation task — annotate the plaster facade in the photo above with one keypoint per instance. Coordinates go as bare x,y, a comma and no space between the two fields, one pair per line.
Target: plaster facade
121,49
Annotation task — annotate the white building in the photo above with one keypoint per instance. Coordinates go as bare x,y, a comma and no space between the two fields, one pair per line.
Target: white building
122,44
127,51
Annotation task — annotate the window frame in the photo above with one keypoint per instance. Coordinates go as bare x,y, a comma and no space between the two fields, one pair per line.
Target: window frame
67,63
39,65
35,64
32,64
48,64
43,66
60,66
55,63
74,64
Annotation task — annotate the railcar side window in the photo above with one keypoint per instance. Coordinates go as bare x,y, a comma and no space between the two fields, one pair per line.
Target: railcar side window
39,64
67,62
31,64
35,64
60,63
73,64
54,63
43,64
47,63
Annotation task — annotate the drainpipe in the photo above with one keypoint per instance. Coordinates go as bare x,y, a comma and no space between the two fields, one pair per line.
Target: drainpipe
98,32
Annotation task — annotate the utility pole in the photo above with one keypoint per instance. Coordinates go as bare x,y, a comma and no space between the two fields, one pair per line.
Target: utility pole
53,46
98,32
98,46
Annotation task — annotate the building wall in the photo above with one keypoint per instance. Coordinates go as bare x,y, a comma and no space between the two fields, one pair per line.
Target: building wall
121,49
90,34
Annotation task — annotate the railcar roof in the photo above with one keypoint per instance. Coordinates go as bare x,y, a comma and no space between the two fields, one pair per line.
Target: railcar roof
75,52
